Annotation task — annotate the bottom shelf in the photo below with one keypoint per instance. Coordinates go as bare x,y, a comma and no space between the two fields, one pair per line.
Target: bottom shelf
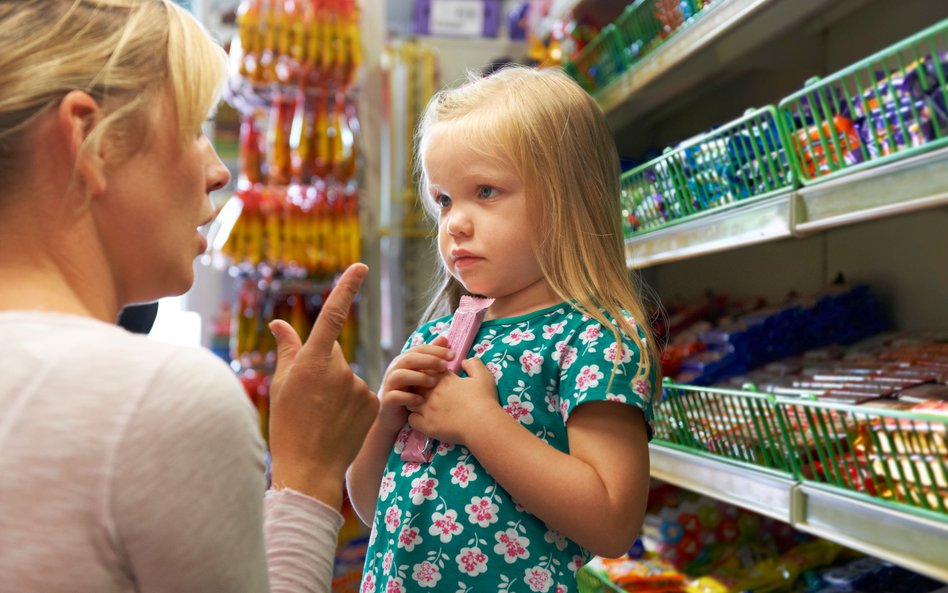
908,539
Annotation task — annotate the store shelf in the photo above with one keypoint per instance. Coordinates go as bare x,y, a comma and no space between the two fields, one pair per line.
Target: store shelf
740,226
700,51
766,493
910,540
903,186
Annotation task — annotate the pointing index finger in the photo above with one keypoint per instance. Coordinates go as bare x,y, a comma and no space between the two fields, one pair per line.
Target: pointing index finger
335,310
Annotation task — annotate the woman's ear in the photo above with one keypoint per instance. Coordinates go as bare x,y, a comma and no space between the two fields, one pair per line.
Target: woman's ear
79,113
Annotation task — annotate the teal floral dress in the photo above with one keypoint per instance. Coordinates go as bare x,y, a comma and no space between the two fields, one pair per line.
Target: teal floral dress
447,525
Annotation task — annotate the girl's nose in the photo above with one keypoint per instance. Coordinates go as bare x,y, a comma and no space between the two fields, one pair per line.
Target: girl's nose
458,223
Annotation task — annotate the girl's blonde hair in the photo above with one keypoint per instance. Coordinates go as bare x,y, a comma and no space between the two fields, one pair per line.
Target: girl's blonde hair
125,53
556,137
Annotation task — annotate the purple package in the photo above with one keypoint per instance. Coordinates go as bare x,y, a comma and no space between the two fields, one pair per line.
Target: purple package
467,320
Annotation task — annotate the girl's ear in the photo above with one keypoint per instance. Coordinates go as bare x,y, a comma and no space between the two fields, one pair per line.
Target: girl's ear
79,113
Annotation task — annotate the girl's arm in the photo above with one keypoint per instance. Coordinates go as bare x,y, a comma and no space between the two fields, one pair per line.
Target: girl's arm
418,367
595,495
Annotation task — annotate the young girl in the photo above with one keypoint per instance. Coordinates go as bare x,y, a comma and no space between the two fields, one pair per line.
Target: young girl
541,457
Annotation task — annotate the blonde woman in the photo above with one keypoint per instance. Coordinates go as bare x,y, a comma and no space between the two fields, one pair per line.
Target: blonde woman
129,465
543,456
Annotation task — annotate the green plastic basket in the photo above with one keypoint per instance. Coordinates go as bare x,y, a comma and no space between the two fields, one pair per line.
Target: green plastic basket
645,24
890,105
737,426
600,62
890,457
743,160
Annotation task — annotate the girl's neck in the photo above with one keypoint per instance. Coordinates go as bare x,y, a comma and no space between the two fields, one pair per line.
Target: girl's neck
535,297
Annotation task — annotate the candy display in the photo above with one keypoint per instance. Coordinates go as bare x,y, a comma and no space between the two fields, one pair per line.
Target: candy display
886,105
694,544
743,159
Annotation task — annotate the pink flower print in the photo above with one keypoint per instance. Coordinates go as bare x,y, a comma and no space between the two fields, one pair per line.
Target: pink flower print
426,574
518,335
471,561
617,351
538,578
395,585
552,402
612,397
387,487
519,410
409,538
402,438
531,363
462,474
630,320
588,377
577,563
445,526
423,488
644,388
482,511
439,328
373,533
556,538
387,561
591,333
410,467
561,589
443,448
495,370
368,585
564,409
553,329
564,354
393,518
483,346
417,340
511,545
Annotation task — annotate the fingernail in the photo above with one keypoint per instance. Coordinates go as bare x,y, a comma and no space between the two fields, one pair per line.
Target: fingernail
450,354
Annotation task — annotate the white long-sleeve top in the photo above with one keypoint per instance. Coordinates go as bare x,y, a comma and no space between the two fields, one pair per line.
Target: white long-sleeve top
131,465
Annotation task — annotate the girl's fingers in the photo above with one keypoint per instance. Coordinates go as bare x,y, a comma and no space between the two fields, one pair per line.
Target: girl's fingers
403,379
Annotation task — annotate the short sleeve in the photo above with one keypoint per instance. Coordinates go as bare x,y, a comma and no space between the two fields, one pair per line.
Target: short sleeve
594,367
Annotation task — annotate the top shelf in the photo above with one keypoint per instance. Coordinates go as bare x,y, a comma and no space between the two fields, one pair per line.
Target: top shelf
701,51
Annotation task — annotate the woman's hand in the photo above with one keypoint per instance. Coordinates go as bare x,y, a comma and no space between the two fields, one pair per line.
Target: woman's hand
320,411
416,369
456,406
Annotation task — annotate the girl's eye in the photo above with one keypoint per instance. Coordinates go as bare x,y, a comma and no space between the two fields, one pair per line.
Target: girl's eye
442,200
486,192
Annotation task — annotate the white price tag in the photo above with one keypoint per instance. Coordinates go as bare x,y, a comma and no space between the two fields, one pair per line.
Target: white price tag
457,18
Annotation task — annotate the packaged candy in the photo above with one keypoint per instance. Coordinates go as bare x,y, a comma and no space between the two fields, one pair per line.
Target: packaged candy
467,320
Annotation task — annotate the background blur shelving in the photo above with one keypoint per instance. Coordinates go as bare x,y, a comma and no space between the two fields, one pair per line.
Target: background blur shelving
884,225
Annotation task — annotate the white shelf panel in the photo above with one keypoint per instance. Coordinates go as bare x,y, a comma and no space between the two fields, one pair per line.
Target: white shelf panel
756,491
743,225
902,186
912,541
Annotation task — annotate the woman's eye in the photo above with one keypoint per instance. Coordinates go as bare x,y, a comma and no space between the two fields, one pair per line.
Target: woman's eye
442,200
486,191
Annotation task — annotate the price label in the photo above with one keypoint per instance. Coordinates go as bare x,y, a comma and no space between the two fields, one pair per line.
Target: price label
457,18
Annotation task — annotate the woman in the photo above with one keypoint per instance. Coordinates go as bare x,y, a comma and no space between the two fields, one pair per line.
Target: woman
130,465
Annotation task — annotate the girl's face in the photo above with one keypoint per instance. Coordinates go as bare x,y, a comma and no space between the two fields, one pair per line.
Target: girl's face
484,232
153,204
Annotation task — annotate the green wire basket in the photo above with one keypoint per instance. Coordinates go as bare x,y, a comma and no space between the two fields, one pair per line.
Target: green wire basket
600,62
891,457
646,24
891,105
741,161
737,426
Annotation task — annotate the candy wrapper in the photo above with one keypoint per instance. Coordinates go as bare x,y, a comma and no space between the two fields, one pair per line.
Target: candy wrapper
467,320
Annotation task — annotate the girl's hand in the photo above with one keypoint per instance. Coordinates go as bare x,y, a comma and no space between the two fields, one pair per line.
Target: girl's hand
412,371
456,406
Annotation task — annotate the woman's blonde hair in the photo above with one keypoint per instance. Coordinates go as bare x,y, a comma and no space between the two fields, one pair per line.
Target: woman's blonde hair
556,137
122,52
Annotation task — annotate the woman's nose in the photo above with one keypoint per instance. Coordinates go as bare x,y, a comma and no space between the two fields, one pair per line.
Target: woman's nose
216,174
